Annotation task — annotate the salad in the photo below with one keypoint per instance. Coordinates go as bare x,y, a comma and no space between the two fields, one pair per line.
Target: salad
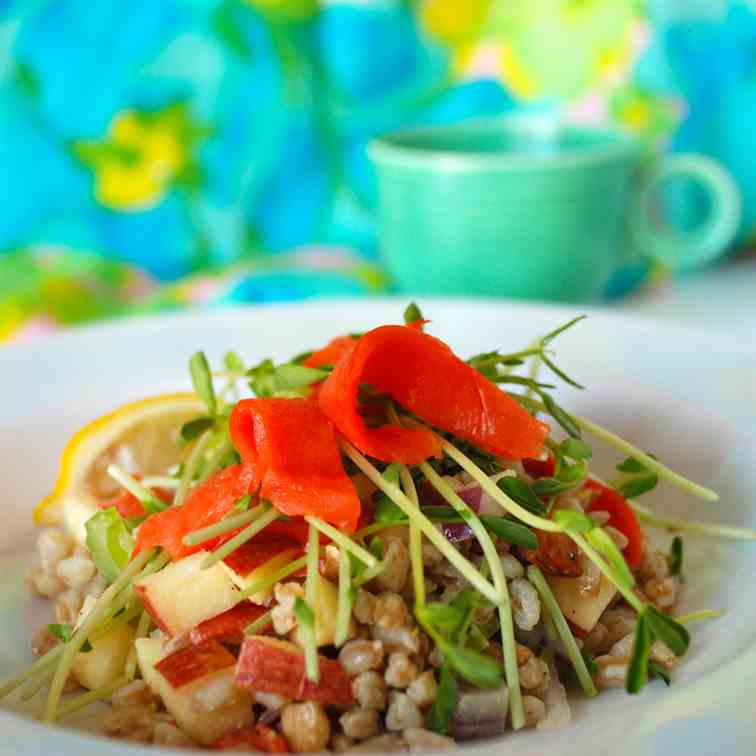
385,547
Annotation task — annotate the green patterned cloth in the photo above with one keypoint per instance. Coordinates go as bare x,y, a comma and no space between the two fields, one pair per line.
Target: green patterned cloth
159,154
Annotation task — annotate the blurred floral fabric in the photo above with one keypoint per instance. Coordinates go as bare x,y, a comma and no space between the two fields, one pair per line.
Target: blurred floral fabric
163,152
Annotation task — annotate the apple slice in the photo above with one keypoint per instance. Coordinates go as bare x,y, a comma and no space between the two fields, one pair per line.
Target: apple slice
257,738
257,560
104,664
206,709
229,626
583,610
183,595
192,663
269,665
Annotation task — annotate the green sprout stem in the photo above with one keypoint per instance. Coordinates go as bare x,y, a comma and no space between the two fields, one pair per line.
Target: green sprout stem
241,538
495,492
415,538
650,463
37,667
36,684
89,624
41,666
509,647
309,629
213,461
226,525
562,629
91,697
271,580
160,481
145,622
466,568
343,541
313,556
534,367
598,560
701,614
628,449
344,610
704,528
190,468
134,487
487,484
369,574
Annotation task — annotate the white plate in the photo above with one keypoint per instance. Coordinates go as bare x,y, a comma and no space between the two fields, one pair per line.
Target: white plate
636,371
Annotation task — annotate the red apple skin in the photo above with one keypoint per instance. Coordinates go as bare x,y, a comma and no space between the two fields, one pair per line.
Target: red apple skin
191,663
257,552
268,665
227,627
257,738
150,608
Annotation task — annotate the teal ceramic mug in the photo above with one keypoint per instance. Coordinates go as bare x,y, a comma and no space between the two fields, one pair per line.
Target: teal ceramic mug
519,207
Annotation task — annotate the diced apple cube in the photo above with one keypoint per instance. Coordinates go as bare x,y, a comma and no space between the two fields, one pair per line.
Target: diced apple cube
190,663
229,626
206,709
183,595
581,609
269,665
105,662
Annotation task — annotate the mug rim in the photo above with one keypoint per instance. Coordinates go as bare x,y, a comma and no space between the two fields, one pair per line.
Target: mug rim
384,150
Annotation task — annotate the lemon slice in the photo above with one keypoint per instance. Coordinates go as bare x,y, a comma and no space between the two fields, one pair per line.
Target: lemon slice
143,436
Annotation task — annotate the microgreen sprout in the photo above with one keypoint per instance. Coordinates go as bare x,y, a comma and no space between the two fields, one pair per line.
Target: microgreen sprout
90,697
263,584
426,526
143,627
637,478
109,542
343,541
654,670
675,557
190,467
193,429
412,313
415,538
226,525
306,618
203,381
713,529
264,519
346,599
702,614
441,712
88,625
522,493
563,630
146,498
500,583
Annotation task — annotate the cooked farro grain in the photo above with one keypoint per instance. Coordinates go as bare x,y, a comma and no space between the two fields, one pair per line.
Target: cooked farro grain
360,723
369,688
306,727
361,655
402,712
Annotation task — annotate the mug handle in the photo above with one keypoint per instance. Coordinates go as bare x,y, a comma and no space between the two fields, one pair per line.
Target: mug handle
685,250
